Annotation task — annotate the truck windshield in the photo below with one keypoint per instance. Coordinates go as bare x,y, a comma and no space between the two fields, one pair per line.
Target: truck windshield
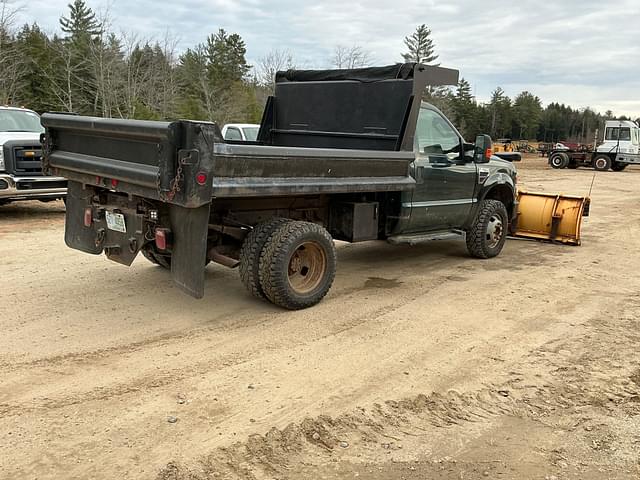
19,121
250,133
618,133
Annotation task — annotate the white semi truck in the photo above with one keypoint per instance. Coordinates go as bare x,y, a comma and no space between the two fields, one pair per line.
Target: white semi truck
620,148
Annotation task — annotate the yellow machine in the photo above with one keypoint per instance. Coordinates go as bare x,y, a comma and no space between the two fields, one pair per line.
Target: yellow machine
545,216
503,145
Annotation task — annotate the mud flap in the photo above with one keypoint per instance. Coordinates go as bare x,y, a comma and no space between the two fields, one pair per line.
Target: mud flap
76,235
189,227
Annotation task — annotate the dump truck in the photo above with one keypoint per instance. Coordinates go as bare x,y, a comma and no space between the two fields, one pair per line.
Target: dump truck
352,155
619,149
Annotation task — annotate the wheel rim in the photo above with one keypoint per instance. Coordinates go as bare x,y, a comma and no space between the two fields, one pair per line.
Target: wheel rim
556,161
601,163
495,230
307,267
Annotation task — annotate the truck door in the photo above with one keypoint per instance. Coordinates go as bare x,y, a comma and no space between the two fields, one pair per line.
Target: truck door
446,181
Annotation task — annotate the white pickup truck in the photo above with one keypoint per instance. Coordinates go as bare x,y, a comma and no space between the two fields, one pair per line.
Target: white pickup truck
240,132
21,176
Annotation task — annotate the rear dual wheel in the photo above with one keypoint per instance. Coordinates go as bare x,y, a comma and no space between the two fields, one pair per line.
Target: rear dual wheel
290,263
298,265
250,255
559,160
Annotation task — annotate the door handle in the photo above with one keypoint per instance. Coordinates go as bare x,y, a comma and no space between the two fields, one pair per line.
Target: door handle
441,163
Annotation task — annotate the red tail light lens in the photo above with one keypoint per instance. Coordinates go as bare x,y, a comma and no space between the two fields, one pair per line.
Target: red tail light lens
114,183
201,178
88,216
161,238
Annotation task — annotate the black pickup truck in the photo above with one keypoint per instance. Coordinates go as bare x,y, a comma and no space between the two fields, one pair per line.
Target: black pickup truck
352,155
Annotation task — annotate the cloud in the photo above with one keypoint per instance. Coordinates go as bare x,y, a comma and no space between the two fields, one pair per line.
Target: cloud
581,53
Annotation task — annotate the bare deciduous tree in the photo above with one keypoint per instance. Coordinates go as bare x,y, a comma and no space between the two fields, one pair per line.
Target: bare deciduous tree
63,75
271,63
350,57
12,63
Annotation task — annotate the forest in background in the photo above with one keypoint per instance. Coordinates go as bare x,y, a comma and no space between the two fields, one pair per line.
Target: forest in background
91,70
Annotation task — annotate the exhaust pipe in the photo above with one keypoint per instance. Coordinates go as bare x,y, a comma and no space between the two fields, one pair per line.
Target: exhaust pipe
218,257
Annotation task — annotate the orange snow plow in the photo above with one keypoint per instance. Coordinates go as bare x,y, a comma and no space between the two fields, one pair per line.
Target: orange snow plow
556,218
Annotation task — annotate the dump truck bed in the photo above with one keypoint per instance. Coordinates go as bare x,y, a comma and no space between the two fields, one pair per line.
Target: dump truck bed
145,158
323,132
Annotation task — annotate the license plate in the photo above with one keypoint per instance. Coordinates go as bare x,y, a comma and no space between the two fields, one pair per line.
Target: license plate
115,222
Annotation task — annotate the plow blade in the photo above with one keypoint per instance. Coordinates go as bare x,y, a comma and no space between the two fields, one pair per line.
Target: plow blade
556,218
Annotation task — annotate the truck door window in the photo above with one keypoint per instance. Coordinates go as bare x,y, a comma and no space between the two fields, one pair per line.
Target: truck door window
232,134
625,134
616,133
434,135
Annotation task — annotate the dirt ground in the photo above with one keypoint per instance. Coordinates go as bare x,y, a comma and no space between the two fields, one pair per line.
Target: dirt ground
420,363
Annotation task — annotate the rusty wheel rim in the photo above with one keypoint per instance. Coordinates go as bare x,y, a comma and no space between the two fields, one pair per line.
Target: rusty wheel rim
307,267
601,163
495,231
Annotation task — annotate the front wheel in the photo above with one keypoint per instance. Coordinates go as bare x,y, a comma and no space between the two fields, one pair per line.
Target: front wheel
297,265
618,166
602,163
488,234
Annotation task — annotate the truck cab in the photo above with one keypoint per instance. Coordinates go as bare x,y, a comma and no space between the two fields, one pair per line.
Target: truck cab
21,176
450,183
620,136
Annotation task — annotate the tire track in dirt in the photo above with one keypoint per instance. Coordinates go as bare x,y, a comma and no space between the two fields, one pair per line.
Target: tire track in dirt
557,398
191,365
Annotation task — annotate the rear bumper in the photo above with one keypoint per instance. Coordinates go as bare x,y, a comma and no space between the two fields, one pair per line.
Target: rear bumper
31,188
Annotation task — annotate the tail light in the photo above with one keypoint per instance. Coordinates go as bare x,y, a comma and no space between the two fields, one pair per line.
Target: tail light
201,178
162,238
88,216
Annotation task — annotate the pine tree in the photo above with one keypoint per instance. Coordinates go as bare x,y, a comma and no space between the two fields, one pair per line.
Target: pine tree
36,92
500,108
464,108
80,55
214,78
226,57
420,46
527,110
81,21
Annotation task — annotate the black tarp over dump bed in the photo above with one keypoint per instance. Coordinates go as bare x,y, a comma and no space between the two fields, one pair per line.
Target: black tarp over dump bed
366,108
329,131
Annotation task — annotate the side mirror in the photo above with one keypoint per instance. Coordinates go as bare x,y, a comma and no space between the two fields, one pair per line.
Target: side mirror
484,149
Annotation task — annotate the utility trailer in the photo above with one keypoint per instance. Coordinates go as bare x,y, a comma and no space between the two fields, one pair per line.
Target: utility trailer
620,148
352,155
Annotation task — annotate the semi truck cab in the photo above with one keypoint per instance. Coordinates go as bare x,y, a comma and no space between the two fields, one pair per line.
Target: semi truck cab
620,136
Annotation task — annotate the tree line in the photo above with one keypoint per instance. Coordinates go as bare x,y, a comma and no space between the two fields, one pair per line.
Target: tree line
90,70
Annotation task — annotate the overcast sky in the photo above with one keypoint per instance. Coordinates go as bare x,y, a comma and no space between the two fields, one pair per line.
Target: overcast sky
580,52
